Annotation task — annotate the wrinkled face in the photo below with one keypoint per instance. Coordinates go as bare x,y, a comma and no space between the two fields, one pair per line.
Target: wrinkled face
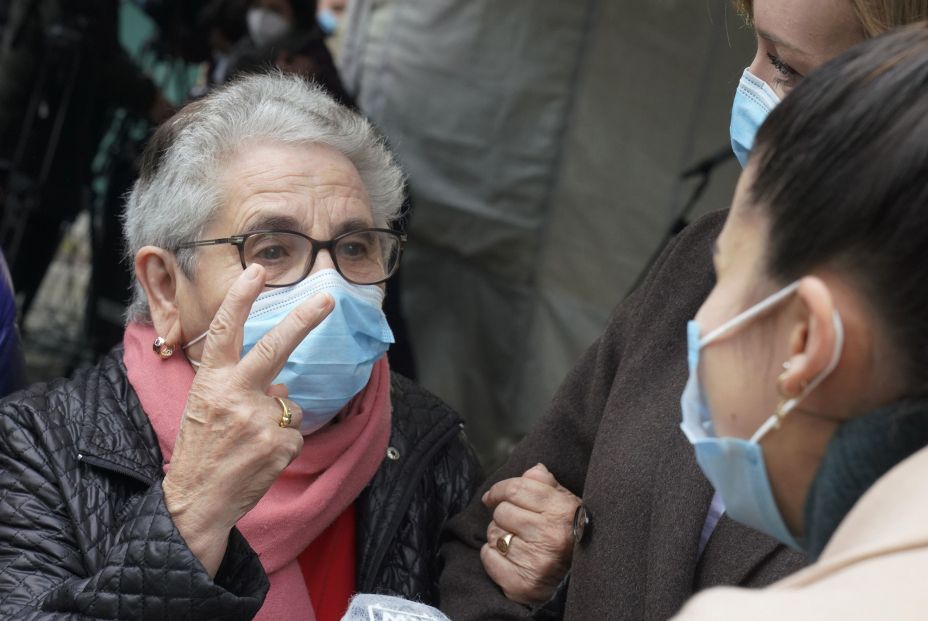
738,372
796,36
313,190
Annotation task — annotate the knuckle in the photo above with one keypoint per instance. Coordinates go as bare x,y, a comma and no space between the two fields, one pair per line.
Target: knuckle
267,347
265,441
305,316
221,324
297,447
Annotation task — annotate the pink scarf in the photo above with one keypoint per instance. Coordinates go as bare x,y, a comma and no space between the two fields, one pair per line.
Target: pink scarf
336,464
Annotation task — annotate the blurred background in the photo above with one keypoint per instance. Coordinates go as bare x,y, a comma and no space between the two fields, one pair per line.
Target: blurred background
551,148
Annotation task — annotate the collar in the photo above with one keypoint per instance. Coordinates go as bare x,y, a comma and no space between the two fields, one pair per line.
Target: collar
860,453
115,434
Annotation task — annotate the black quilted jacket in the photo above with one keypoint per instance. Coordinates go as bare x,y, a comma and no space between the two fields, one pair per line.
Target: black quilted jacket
84,532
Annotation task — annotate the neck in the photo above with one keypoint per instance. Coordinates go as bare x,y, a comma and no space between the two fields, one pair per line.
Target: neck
792,455
860,453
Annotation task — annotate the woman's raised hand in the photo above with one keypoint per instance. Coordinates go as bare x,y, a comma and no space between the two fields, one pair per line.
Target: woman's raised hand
538,513
231,447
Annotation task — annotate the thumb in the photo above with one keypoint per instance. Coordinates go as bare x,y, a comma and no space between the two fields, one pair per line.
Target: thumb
541,474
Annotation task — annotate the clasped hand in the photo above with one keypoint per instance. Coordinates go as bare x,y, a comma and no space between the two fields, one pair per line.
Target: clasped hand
538,512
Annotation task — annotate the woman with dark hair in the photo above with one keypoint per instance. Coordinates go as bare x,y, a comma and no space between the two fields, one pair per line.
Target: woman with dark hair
806,401
613,456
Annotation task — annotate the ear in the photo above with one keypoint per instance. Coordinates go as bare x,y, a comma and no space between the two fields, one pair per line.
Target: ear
157,272
812,339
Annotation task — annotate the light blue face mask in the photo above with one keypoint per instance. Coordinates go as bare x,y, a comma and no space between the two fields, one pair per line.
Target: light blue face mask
334,363
754,100
734,466
328,21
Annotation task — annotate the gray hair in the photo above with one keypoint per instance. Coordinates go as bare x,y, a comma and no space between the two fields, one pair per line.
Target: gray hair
176,195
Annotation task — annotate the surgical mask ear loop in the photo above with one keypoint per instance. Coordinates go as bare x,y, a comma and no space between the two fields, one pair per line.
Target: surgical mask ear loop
790,404
748,315
193,362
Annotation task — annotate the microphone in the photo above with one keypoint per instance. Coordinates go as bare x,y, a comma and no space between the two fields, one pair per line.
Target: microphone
369,607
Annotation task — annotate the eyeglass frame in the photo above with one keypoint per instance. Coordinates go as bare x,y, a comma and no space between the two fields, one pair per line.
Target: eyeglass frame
315,245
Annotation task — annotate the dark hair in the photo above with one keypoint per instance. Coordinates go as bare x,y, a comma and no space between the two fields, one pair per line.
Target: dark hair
842,175
226,16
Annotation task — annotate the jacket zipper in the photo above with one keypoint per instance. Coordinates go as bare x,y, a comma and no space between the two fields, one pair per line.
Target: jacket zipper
105,464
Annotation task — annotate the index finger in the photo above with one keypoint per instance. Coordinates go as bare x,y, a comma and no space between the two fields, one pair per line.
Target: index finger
522,492
223,345
263,363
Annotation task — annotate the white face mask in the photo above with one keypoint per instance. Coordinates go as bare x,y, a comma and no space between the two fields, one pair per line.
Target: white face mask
266,27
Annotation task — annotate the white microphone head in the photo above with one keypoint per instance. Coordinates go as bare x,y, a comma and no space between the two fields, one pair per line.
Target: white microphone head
366,607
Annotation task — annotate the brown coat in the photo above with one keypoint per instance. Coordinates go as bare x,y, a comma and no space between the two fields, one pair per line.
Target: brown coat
612,436
873,567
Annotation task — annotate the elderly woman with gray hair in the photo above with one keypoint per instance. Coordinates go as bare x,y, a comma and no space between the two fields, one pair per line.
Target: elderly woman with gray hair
246,452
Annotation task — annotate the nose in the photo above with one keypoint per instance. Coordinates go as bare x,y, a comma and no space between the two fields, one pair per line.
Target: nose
323,262
761,67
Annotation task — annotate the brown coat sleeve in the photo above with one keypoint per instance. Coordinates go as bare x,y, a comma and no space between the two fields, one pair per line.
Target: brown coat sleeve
563,440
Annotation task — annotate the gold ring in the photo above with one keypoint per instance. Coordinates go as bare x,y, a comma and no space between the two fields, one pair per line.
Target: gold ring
503,543
287,415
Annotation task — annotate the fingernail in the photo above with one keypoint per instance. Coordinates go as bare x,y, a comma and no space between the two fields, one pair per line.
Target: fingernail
252,271
325,300
484,497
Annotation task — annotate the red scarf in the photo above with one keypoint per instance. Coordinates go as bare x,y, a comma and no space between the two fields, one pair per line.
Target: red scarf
336,464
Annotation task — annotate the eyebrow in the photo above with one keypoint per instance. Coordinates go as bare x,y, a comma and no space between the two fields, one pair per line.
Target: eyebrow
286,223
779,42
351,224
273,223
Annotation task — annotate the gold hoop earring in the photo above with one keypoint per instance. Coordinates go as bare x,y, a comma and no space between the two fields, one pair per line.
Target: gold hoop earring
163,348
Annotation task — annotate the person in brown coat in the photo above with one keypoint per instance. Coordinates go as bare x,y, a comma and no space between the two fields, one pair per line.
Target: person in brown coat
648,531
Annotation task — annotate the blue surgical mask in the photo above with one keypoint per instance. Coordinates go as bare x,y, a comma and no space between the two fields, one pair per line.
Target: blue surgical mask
334,363
754,100
734,466
328,21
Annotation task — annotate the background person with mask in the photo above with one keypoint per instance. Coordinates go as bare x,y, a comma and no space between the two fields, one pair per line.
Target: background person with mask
649,533
287,34
808,361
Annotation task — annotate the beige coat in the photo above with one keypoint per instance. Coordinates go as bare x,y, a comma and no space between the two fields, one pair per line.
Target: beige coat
875,567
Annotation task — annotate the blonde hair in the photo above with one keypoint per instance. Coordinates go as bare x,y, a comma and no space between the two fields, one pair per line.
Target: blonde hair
875,16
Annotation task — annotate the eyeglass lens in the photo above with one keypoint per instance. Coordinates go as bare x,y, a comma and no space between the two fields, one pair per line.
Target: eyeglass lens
365,257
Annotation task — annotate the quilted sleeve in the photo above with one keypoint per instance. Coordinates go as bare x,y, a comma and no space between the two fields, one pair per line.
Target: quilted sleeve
146,570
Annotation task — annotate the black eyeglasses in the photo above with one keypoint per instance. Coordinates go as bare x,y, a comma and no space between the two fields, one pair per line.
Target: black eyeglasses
362,257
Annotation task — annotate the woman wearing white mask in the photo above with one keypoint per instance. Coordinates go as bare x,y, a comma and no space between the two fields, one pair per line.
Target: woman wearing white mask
288,35
526,524
808,361
247,451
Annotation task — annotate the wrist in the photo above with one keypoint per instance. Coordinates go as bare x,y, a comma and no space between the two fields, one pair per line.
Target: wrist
206,536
